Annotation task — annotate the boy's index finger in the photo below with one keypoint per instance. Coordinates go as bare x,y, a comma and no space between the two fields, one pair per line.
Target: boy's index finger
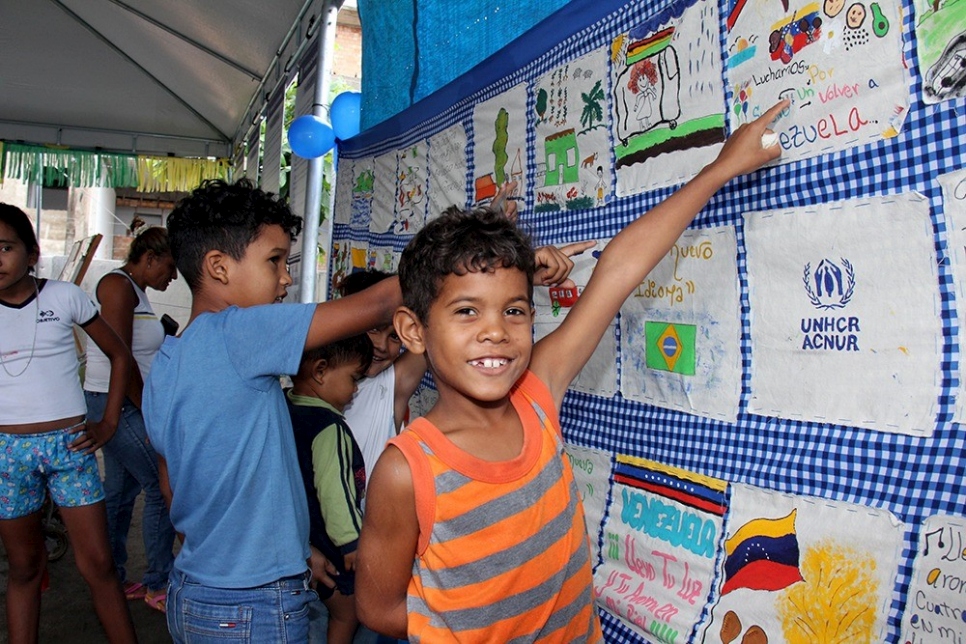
577,247
502,194
774,112
769,138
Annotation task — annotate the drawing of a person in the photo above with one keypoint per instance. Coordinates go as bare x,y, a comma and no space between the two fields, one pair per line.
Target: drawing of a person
601,185
643,83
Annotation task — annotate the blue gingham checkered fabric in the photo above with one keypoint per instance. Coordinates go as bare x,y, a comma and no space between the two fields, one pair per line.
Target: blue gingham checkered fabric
910,476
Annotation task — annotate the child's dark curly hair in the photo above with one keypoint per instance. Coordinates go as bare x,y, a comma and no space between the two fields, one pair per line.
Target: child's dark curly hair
357,347
226,217
457,243
361,280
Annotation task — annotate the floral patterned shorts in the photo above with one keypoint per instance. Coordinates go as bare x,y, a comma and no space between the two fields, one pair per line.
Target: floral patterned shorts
33,463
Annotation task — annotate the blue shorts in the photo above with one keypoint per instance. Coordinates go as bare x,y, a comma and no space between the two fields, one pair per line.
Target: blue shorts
33,463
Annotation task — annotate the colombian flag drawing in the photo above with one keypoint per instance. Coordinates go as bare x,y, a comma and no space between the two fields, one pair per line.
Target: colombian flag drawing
670,347
762,555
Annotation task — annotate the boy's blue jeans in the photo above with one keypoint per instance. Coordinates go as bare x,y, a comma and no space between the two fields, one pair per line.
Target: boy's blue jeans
276,612
130,465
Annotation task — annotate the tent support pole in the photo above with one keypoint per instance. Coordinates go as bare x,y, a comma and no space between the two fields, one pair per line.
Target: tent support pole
313,195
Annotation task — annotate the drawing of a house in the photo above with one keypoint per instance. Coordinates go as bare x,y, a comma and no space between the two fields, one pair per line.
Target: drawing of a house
516,172
561,154
485,187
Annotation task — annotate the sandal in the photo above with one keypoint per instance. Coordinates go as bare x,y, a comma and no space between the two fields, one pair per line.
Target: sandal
157,599
134,590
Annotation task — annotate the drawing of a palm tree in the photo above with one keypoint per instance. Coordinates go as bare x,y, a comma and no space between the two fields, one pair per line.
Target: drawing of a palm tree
593,112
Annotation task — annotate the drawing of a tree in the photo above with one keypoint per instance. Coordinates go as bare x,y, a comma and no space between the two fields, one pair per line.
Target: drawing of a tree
836,602
499,146
593,112
542,102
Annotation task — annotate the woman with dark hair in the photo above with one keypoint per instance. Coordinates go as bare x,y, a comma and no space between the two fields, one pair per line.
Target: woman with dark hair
130,463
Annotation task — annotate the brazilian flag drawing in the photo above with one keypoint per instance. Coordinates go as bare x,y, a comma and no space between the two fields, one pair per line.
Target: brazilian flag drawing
670,347
762,555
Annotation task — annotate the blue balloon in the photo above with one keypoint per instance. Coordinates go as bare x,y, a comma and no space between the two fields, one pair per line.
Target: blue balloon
310,136
345,114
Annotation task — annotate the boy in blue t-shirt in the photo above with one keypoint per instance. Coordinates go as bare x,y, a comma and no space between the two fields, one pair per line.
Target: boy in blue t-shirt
333,470
216,414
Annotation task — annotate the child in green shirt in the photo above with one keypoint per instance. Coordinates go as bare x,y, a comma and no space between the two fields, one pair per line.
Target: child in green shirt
332,466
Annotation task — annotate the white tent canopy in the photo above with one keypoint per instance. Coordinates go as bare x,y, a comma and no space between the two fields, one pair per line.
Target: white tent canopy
178,77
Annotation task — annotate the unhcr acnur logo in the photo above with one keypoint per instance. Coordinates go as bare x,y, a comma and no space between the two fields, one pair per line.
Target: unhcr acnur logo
830,287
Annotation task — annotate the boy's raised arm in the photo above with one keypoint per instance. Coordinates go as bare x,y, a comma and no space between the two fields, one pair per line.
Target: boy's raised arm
387,546
637,249
354,314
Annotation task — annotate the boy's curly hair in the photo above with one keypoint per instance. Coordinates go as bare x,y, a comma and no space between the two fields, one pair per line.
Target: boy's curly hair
360,280
357,347
223,216
457,243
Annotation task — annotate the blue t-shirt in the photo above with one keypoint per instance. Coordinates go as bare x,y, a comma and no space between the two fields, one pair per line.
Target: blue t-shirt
215,410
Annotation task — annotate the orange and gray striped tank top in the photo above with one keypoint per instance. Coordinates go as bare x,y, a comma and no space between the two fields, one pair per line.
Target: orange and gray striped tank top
503,554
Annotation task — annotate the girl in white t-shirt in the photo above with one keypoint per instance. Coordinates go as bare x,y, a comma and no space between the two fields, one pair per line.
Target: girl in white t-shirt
46,444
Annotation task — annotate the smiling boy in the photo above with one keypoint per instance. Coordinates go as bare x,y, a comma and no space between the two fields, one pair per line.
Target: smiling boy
378,409
473,529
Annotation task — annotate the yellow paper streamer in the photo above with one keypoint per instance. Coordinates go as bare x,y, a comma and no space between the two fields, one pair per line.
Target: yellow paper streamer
173,174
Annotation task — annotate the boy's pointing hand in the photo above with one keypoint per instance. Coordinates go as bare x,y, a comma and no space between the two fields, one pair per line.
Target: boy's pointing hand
554,264
745,151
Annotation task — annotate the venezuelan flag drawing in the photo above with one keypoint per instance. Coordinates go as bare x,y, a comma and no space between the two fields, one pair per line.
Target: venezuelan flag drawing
762,555
693,490
670,347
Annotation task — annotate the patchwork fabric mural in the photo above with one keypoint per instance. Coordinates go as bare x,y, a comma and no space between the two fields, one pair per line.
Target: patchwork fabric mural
767,439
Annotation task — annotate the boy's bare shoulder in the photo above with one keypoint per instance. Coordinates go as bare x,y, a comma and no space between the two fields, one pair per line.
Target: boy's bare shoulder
391,472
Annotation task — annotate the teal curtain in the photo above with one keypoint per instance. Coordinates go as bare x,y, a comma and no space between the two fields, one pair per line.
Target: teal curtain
411,48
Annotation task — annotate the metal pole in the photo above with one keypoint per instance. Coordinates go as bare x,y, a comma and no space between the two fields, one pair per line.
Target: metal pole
313,195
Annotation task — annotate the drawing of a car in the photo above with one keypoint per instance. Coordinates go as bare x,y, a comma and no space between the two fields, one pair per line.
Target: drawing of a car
947,77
